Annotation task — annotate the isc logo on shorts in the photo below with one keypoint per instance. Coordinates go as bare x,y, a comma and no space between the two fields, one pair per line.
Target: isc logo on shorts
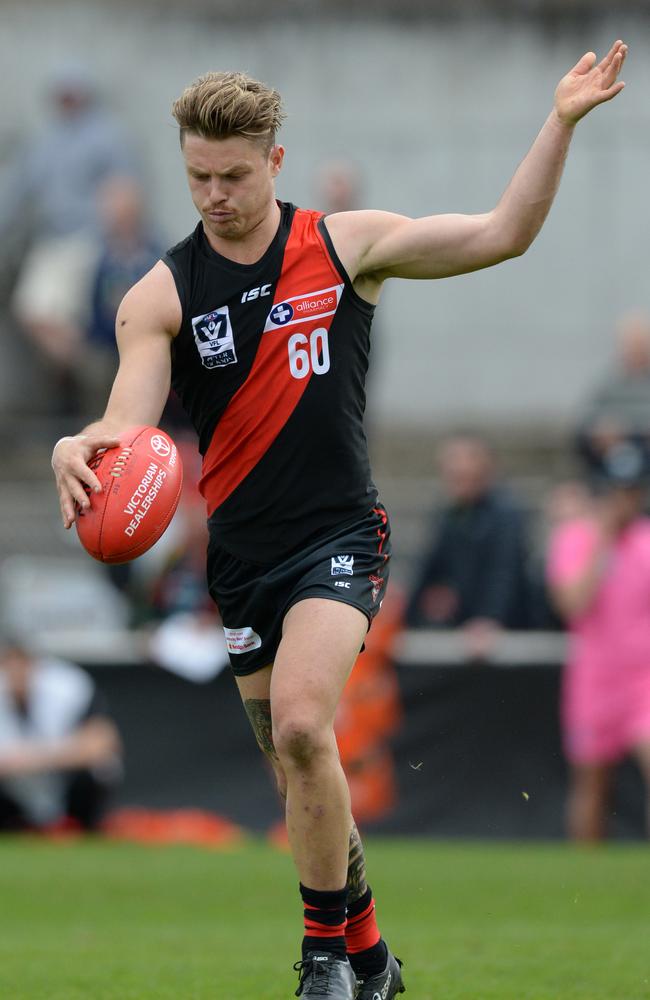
342,565
214,338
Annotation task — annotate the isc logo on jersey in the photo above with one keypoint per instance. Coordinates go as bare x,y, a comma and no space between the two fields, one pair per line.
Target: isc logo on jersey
214,338
314,305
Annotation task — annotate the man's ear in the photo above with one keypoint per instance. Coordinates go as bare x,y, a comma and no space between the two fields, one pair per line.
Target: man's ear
276,158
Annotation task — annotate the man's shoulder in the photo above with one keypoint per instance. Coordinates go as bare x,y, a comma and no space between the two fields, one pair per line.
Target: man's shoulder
178,249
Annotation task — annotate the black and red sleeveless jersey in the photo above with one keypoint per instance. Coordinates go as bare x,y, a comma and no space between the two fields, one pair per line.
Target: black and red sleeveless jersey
270,364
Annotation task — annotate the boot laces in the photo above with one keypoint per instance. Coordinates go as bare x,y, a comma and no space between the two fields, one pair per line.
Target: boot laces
320,971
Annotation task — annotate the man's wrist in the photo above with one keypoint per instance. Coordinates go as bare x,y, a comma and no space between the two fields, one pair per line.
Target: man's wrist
67,437
560,122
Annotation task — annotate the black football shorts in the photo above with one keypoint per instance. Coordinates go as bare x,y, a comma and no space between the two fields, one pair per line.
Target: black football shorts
349,565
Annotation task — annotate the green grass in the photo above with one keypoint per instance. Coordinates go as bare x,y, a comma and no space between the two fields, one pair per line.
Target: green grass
103,921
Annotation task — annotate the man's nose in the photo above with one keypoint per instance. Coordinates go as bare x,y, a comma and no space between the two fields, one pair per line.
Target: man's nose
217,192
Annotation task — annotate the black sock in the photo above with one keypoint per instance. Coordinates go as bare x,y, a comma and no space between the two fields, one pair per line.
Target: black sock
324,921
370,962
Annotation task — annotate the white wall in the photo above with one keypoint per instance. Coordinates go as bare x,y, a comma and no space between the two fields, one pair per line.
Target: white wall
438,118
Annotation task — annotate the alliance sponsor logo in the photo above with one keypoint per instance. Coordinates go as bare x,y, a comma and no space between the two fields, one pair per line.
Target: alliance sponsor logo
281,314
316,305
311,305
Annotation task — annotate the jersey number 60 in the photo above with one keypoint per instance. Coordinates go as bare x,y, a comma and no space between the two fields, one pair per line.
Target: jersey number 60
307,353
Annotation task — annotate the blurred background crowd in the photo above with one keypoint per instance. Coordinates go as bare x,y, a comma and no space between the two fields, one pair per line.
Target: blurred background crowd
508,416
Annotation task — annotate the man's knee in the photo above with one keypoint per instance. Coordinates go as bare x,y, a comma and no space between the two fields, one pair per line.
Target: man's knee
300,743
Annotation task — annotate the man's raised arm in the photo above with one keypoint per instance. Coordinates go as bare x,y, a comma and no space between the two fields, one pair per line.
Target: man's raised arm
380,245
147,320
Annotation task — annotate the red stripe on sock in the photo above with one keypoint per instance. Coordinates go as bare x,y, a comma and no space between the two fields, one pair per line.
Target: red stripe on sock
362,931
316,928
313,929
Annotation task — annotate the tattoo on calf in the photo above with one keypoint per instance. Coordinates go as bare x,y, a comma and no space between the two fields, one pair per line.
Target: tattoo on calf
357,884
259,713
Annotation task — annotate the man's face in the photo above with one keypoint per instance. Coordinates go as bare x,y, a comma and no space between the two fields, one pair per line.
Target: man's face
16,667
231,182
466,470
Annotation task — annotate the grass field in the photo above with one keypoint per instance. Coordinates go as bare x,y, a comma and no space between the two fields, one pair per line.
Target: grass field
103,921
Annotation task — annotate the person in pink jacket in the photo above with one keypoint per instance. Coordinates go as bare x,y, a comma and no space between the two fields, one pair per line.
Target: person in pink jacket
599,576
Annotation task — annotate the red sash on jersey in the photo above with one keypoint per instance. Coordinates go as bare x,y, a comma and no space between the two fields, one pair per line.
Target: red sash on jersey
312,287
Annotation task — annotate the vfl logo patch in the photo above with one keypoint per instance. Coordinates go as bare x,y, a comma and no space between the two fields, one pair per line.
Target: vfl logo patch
342,565
214,338
313,305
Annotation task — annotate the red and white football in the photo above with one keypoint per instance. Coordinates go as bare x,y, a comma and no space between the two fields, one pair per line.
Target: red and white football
141,486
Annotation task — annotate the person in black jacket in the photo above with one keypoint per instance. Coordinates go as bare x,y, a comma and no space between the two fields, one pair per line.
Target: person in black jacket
474,574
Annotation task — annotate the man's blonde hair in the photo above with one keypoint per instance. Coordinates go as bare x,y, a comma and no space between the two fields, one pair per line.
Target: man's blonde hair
218,105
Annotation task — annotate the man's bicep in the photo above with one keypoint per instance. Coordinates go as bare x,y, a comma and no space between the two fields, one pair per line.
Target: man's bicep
437,246
144,331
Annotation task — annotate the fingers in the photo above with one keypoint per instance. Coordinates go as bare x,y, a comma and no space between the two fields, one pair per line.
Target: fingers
609,58
71,496
96,442
585,64
74,478
611,72
613,91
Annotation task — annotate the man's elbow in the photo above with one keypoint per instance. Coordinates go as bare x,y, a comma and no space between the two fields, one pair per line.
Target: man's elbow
510,238
515,245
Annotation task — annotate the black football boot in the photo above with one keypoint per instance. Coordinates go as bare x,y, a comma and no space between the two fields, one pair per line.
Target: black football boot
323,974
385,985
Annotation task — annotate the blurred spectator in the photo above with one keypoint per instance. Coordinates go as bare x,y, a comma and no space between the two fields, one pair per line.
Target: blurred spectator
599,575
189,640
475,571
567,501
53,187
127,250
339,187
620,408
59,751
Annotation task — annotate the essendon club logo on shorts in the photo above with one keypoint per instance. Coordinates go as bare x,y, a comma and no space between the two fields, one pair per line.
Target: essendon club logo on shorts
342,566
377,584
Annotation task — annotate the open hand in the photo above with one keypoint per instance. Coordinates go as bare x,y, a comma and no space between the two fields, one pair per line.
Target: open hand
69,462
589,84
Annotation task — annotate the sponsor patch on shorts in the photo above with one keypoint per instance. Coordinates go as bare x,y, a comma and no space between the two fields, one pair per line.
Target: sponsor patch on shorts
242,640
